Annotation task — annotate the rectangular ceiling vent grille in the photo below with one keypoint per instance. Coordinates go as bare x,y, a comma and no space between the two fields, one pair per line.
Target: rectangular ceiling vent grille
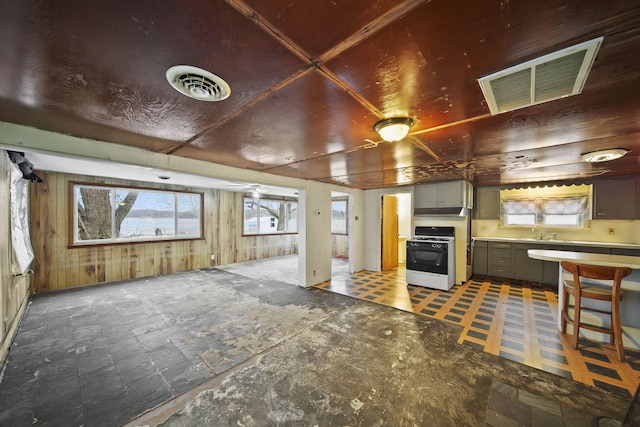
553,76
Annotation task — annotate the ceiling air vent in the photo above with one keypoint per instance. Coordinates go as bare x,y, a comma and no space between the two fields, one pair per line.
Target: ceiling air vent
197,83
557,75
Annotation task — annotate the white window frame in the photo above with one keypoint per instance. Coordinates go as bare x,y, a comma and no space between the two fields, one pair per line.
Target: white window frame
340,232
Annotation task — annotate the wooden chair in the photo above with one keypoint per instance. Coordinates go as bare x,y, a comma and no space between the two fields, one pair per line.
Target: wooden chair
581,290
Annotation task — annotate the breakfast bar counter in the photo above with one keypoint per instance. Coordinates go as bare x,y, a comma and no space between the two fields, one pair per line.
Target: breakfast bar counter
586,258
631,286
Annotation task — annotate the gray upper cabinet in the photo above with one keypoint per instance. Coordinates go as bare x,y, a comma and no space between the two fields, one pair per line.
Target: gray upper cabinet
445,198
487,203
425,196
615,198
450,194
439,194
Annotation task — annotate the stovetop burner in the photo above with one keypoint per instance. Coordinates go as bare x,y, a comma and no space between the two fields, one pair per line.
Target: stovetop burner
432,233
433,238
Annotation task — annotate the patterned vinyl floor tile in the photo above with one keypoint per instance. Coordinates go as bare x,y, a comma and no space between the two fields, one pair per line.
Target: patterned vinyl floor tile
513,321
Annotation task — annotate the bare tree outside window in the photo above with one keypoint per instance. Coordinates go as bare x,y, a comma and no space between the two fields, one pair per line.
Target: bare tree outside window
95,208
269,216
109,214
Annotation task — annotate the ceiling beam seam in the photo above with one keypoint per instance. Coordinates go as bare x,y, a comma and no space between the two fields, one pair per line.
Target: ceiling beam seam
450,124
371,28
271,29
349,90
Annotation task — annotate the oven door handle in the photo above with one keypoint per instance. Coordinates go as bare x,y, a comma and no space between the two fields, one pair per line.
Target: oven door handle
440,259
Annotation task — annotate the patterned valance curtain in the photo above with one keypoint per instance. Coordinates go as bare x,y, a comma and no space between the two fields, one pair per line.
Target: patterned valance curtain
547,206
556,206
565,206
520,206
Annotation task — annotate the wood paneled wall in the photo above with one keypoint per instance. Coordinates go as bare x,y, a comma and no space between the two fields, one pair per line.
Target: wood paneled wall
57,266
14,289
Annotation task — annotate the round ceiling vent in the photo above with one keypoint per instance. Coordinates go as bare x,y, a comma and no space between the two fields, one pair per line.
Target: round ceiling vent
197,83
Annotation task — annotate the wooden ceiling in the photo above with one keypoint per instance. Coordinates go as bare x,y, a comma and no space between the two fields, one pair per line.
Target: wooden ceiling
310,79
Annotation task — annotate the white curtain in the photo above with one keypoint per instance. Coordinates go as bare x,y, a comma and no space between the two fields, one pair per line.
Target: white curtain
20,237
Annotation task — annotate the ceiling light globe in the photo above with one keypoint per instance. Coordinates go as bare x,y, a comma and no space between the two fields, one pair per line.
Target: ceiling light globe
603,155
393,129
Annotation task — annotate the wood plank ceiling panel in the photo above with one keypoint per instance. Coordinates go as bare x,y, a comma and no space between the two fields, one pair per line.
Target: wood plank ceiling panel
105,66
308,118
566,121
371,157
309,80
318,27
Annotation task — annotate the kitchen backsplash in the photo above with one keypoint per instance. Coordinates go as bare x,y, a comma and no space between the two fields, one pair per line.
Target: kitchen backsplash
622,231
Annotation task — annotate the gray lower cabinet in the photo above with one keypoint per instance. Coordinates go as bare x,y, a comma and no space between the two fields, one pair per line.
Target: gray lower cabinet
535,270
594,249
625,251
550,269
480,257
526,268
511,260
499,262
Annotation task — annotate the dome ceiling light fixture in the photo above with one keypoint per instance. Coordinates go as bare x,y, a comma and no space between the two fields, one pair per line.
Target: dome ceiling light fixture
393,129
603,155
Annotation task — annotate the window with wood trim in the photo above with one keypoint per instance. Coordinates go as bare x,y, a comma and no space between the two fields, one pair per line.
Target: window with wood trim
264,215
107,214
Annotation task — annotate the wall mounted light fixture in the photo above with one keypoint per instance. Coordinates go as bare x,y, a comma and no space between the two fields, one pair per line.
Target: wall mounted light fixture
603,155
393,129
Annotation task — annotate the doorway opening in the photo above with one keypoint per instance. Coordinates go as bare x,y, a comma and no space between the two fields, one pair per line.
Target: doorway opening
396,225
341,211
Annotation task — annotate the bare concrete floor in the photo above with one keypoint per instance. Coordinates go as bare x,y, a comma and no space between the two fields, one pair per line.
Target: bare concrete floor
215,348
283,268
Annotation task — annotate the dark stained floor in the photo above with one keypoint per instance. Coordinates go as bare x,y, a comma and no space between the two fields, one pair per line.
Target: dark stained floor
211,347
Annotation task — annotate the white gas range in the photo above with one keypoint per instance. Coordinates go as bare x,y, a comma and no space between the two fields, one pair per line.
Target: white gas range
430,258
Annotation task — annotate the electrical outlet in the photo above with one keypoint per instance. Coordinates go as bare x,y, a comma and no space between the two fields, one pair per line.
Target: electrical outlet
611,230
213,257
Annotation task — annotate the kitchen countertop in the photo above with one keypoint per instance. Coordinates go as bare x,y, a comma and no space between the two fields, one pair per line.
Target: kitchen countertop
559,242
586,258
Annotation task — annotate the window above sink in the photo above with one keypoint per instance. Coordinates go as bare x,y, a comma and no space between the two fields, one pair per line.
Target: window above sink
557,207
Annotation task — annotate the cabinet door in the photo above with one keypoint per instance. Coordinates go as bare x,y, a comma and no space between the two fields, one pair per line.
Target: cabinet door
526,268
480,257
450,194
625,251
425,195
550,268
614,199
487,205
593,249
